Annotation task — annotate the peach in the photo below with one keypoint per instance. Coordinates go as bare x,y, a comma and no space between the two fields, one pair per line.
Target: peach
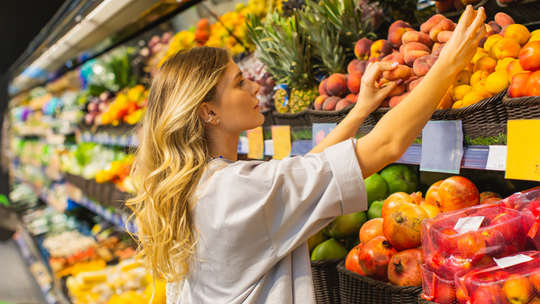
459,92
534,38
420,37
351,97
362,48
447,101
474,97
352,65
381,48
385,103
491,40
436,52
411,56
462,78
457,104
394,57
496,82
435,46
361,66
481,86
319,101
503,30
503,19
343,104
397,24
505,48
518,32
444,36
322,88
413,46
330,103
495,27
487,64
336,85
400,72
477,77
513,68
444,25
470,67
482,41
400,89
502,64
354,81
444,6
394,101
529,57
489,30
533,84
459,5
434,20
374,59
518,87
414,84
423,64
395,35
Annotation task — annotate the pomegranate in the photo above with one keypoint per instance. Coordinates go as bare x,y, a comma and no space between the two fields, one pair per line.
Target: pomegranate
404,268
370,230
394,200
456,193
488,194
471,246
402,227
417,198
375,257
431,195
351,262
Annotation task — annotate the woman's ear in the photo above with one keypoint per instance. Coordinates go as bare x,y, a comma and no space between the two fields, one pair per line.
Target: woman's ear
207,114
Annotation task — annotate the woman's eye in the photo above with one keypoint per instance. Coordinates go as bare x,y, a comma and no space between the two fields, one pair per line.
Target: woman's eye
241,83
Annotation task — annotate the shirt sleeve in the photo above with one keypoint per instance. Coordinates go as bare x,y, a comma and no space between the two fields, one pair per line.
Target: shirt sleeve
308,192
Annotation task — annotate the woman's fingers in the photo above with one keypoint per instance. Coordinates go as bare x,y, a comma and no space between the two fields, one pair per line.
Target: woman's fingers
465,19
478,21
481,33
375,70
389,87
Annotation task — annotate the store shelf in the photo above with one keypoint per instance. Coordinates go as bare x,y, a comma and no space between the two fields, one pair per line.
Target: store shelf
110,139
48,283
474,157
118,218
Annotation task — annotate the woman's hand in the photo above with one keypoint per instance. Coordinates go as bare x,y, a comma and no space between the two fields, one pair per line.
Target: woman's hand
460,49
370,95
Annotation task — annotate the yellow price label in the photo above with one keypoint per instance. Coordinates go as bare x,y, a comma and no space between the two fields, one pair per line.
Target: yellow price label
281,135
523,156
256,143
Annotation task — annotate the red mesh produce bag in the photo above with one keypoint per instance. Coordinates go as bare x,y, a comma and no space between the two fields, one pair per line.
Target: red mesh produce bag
503,282
436,288
449,249
521,201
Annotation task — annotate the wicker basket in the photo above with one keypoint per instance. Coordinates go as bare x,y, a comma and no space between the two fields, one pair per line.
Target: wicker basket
337,116
268,117
326,281
355,288
523,107
300,119
522,11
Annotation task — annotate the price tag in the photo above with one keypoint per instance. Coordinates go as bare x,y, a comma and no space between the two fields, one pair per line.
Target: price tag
496,158
468,224
256,143
320,131
243,145
281,135
442,147
269,147
523,157
512,260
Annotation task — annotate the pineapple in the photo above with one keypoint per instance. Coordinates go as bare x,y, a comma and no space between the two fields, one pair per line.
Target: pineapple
301,99
279,100
285,50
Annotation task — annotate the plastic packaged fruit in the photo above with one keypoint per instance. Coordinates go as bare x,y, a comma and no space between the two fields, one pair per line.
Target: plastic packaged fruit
436,288
459,240
514,279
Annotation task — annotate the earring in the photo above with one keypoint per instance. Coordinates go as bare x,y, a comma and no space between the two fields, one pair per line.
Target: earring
209,119
217,120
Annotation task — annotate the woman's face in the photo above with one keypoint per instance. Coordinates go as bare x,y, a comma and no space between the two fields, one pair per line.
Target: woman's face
237,106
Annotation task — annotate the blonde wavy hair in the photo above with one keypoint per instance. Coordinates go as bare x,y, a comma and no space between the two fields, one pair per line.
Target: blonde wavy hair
171,159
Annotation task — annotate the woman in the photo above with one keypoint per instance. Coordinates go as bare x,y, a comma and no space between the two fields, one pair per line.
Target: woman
236,231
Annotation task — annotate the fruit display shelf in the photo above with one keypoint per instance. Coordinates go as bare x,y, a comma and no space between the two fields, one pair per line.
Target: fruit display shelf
474,157
48,283
117,218
105,138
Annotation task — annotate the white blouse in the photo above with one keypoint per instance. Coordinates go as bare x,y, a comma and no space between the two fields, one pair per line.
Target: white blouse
254,218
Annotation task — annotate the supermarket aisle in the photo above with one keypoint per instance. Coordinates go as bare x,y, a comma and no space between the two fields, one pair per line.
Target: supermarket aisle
16,283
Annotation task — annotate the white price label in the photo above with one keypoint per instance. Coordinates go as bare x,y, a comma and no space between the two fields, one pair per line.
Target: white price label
269,147
468,223
512,260
496,158
244,145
